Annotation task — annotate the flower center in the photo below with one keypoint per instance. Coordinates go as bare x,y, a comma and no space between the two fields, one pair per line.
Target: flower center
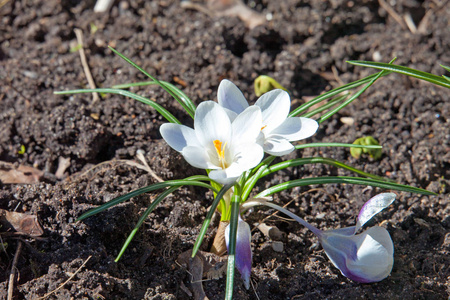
220,153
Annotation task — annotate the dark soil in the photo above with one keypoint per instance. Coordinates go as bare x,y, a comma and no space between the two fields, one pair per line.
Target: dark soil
301,46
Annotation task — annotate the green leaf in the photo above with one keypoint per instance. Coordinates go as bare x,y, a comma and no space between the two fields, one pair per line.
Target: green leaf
342,179
143,218
446,68
249,184
208,218
187,181
318,160
403,70
333,93
167,88
349,100
164,112
175,90
311,145
326,106
235,201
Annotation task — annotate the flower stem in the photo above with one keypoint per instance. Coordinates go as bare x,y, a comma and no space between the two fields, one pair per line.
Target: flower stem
256,202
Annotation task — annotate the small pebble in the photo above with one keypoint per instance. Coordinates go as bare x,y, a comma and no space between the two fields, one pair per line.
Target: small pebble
278,246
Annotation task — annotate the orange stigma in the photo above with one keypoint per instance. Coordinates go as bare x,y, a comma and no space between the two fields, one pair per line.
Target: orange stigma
220,152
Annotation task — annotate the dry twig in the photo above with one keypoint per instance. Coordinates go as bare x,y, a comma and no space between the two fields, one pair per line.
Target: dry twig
65,282
12,275
144,166
393,13
84,63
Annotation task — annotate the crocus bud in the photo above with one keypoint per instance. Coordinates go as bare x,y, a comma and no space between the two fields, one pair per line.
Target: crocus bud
243,256
364,257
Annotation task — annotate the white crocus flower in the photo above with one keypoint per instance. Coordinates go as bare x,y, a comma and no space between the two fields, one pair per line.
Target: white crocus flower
227,148
277,130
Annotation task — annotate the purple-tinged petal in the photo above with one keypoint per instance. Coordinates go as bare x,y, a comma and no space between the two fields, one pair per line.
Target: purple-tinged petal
373,206
295,128
366,257
230,97
178,136
347,231
277,146
243,256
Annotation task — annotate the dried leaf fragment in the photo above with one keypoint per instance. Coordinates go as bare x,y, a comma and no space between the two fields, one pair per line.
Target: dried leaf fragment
225,8
21,174
22,223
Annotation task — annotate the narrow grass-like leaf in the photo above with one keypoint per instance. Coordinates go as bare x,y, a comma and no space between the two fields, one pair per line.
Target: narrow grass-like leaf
342,179
403,70
318,160
189,104
446,68
165,87
312,145
248,186
328,115
153,187
326,106
164,112
143,218
207,220
235,201
332,93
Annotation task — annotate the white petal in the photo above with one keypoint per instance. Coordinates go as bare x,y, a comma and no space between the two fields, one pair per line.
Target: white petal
222,177
277,146
295,129
198,157
178,136
230,97
246,156
247,125
366,257
231,114
211,122
375,256
275,106
373,207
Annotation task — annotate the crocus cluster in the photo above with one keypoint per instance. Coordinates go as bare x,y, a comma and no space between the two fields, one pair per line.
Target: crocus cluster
230,137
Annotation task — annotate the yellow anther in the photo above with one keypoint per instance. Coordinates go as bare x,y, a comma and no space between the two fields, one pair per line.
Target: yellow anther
263,127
